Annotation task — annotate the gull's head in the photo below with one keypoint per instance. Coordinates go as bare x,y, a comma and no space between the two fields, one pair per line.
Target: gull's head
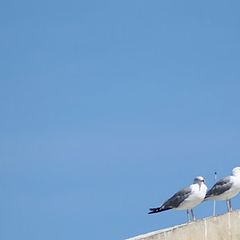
199,180
236,171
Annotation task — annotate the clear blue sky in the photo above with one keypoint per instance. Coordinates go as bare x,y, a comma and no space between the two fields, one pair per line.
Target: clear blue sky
110,107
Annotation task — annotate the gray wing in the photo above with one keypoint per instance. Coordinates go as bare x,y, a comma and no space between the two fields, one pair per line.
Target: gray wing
177,199
220,187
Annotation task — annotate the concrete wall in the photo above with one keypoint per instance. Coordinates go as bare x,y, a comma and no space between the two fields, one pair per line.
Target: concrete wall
224,227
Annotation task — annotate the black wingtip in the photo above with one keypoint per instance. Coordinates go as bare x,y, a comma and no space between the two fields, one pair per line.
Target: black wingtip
158,210
154,210
151,211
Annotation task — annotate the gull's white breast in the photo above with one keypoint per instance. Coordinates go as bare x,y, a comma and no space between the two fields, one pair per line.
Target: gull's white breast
196,197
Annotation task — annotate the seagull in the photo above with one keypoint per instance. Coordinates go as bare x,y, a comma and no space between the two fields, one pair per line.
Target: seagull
226,188
185,199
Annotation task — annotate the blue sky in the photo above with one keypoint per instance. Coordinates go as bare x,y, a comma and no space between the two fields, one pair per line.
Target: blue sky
108,108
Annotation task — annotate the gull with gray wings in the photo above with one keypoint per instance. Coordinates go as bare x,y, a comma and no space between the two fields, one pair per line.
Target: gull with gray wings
185,199
226,188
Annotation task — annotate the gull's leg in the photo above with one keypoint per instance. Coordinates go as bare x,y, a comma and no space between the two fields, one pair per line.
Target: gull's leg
193,217
188,216
230,205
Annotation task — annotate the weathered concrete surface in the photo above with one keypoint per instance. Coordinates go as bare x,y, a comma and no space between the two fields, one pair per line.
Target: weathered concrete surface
224,227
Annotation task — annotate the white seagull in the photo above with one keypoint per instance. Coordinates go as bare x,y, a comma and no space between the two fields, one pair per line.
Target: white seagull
226,188
185,199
